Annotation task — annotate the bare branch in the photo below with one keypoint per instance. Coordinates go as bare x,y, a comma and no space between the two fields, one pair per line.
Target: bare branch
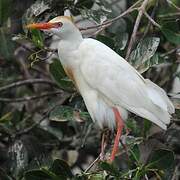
138,19
109,22
26,130
169,15
169,52
152,16
152,20
174,5
29,98
25,82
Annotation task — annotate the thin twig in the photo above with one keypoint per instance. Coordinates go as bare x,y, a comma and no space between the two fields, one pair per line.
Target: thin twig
169,15
174,5
92,164
152,16
26,130
109,22
29,98
133,36
25,82
40,71
99,30
169,52
151,20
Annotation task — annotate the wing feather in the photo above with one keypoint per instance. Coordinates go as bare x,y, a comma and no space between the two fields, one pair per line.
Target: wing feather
119,82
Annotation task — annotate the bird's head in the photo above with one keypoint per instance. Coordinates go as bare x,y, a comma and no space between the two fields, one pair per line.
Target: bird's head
61,26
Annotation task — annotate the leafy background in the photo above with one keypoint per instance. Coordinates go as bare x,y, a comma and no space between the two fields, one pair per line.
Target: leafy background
45,129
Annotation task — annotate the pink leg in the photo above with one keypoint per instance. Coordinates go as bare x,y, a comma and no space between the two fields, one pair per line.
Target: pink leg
120,126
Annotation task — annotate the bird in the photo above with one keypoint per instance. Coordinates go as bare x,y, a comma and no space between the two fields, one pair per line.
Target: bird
108,84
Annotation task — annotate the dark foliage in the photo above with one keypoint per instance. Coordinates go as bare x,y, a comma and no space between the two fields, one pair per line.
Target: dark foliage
45,129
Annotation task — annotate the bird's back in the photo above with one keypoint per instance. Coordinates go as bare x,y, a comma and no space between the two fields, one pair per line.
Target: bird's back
114,78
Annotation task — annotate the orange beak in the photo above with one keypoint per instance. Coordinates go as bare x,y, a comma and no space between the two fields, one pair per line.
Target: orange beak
42,26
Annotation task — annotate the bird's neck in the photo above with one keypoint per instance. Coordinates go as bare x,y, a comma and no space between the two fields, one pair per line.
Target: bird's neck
72,40
67,48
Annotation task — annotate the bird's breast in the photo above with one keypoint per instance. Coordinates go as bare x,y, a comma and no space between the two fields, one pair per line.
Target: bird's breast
69,73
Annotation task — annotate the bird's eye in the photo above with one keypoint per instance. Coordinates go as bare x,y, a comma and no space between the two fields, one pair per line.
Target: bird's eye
57,24
60,24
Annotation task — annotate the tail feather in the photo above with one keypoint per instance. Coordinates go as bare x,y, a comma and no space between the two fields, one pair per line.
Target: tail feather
159,97
150,116
158,108
161,106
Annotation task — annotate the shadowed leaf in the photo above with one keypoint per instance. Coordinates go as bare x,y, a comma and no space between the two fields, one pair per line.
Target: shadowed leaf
4,176
161,159
171,36
5,6
59,75
60,167
6,45
135,153
111,169
106,40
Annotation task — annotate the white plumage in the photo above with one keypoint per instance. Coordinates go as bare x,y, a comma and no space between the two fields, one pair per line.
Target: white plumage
106,80
116,83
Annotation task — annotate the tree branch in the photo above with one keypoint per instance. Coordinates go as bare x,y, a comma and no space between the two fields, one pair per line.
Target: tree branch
29,98
109,22
133,36
174,5
152,20
152,16
28,129
25,82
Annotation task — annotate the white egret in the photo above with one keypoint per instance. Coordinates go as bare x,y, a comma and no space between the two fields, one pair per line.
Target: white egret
109,85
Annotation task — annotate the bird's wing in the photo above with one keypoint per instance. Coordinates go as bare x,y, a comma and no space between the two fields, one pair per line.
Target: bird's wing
118,81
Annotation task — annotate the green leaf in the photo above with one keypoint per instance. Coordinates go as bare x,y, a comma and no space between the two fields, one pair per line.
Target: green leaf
147,125
6,44
96,177
60,167
40,175
161,159
67,113
3,175
61,113
135,153
144,51
6,117
121,41
37,38
36,175
59,75
5,6
84,3
100,14
155,60
112,170
133,126
106,40
171,36
80,177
